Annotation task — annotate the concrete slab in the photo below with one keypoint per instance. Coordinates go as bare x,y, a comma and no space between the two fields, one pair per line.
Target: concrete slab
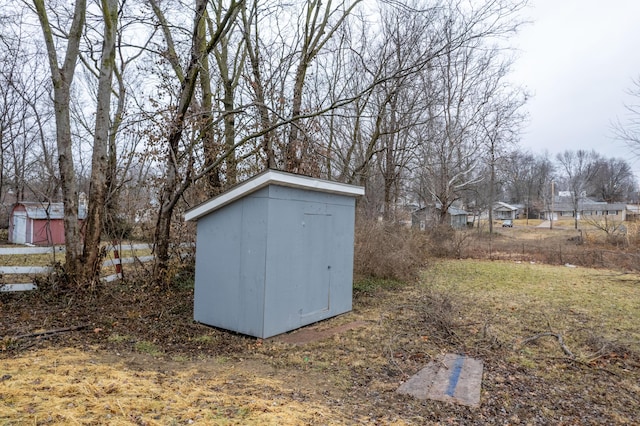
454,378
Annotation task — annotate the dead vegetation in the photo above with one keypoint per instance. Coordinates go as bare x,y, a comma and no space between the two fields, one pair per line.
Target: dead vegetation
560,346
388,251
393,252
588,247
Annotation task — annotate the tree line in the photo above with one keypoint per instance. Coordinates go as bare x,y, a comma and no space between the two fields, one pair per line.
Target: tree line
526,179
152,106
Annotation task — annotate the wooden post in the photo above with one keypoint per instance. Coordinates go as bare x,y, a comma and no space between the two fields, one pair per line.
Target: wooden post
116,256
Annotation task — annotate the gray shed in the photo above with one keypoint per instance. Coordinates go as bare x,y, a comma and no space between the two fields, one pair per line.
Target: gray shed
274,253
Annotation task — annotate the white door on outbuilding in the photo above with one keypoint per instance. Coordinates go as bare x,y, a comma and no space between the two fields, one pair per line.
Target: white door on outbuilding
19,227
315,290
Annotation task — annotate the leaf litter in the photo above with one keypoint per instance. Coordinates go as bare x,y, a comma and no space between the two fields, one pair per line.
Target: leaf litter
140,359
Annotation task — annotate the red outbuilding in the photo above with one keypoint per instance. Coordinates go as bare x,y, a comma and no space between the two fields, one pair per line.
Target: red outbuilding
38,223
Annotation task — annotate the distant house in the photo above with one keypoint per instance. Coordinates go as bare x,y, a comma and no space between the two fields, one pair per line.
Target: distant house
502,211
38,223
633,212
563,208
429,217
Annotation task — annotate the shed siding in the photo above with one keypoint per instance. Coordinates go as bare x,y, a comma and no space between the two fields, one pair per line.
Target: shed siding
275,260
309,258
47,232
230,274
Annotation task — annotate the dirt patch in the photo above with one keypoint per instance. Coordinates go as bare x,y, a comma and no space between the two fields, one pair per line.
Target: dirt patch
316,332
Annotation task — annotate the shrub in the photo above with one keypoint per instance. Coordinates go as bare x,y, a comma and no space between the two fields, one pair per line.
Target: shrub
446,242
118,228
388,251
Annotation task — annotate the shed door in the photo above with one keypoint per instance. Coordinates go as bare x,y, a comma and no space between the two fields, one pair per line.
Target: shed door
19,227
317,230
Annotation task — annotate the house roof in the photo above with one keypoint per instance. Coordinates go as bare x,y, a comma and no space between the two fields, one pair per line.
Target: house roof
453,211
51,211
499,205
271,177
456,212
585,204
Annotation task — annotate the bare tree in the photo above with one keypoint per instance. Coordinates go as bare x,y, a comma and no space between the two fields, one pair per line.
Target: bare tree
62,73
579,169
83,254
613,181
628,129
228,96
527,178
100,162
231,66
501,124
27,166
451,149
175,184
319,22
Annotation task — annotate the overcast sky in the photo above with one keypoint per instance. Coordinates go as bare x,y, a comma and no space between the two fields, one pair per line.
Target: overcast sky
577,58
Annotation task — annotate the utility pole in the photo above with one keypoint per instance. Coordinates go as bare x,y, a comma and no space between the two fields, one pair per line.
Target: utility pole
552,206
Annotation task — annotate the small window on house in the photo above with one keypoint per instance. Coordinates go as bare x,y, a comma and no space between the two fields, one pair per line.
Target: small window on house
567,213
587,213
598,212
612,212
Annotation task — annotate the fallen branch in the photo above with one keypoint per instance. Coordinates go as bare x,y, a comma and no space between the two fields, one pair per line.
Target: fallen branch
558,336
590,365
48,332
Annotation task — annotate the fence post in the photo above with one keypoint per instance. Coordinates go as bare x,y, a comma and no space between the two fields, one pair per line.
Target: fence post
116,257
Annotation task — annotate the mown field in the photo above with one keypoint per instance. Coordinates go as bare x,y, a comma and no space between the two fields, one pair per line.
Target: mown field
560,345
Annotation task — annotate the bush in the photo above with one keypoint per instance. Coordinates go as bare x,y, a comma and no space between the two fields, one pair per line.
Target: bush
117,228
446,242
388,251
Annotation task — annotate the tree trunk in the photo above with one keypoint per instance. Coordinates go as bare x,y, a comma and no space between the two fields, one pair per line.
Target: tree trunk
162,239
174,186
295,145
229,74
389,172
257,84
230,132
207,134
62,77
111,203
99,163
492,180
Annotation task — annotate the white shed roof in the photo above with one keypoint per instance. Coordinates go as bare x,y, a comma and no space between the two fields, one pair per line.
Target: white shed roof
271,177
46,210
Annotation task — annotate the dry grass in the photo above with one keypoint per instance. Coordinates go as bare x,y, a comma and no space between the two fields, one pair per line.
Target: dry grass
587,247
524,299
70,386
116,374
